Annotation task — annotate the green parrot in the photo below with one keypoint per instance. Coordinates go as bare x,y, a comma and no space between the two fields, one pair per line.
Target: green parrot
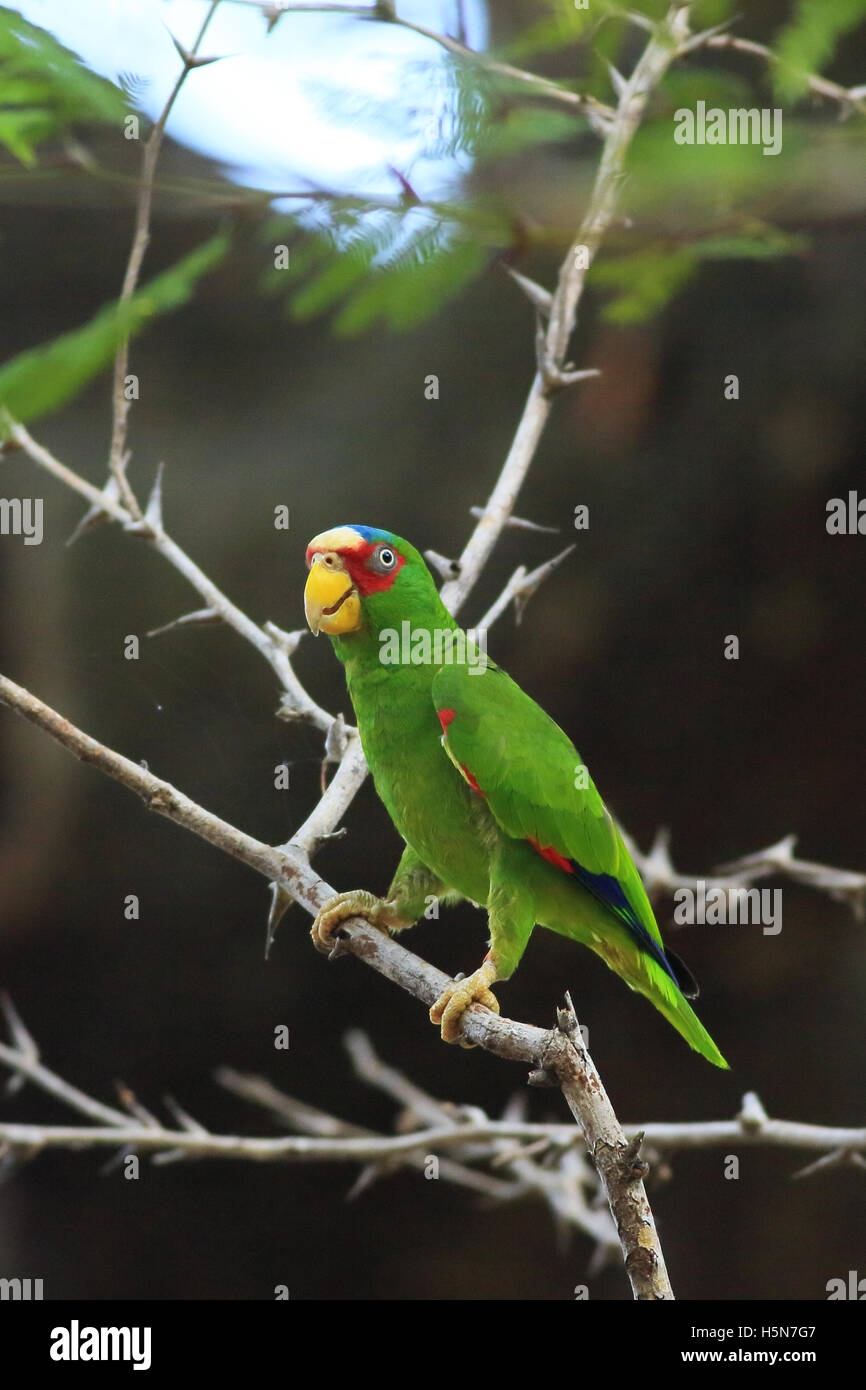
490,796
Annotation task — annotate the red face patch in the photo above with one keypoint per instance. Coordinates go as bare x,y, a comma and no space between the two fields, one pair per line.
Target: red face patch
356,558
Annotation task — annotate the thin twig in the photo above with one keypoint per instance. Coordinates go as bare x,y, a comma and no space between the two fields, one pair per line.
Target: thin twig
535,85
475,1146
451,1127
141,236
659,875
850,99
268,641
307,1118
552,368
291,870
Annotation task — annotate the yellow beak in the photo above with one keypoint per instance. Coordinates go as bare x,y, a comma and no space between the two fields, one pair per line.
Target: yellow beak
331,601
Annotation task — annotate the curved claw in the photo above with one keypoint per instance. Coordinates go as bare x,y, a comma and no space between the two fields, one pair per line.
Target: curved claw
358,903
452,1004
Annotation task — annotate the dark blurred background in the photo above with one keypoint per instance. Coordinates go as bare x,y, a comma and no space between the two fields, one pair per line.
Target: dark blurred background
707,518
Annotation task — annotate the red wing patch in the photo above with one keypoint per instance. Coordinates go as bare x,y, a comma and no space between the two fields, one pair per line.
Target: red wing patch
550,854
445,717
470,779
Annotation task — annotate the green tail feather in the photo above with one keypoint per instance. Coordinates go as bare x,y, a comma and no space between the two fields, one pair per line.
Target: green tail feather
663,993
686,1022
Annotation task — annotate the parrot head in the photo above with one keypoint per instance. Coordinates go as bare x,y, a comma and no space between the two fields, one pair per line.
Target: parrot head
363,578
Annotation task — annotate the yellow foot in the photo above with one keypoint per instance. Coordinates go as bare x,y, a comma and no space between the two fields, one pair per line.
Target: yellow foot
378,912
456,999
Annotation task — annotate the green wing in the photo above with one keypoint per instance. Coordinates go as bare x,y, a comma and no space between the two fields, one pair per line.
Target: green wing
538,789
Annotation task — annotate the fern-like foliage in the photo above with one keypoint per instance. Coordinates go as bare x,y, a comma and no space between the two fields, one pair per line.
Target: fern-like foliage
809,41
44,378
501,169
398,264
45,91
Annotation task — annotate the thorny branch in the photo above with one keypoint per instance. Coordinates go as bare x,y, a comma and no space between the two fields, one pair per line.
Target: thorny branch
141,237
777,861
553,371
501,1160
273,644
849,99
597,113
558,1056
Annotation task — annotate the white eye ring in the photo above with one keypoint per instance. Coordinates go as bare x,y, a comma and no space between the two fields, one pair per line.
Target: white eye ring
384,558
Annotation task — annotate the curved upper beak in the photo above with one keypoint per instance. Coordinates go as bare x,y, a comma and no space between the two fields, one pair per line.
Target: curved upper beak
331,601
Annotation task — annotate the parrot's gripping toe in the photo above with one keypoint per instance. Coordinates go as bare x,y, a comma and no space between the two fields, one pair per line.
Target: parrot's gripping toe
377,911
452,1004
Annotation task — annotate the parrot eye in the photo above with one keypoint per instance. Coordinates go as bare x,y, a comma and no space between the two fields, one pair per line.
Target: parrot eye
383,559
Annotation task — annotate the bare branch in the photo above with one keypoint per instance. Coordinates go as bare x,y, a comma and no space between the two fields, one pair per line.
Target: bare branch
32,1138
567,1057
475,1146
540,298
519,523
520,588
620,130
570,1186
556,1053
269,642
370,1068
202,617
141,236
849,98
659,875
24,1043
596,112
447,1126
20,1060
308,1119
442,564
331,807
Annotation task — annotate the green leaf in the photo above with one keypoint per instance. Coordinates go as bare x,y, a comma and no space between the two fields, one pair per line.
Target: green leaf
524,126
396,265
403,295
344,269
687,86
556,31
756,242
706,13
647,280
45,89
22,131
809,41
43,378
